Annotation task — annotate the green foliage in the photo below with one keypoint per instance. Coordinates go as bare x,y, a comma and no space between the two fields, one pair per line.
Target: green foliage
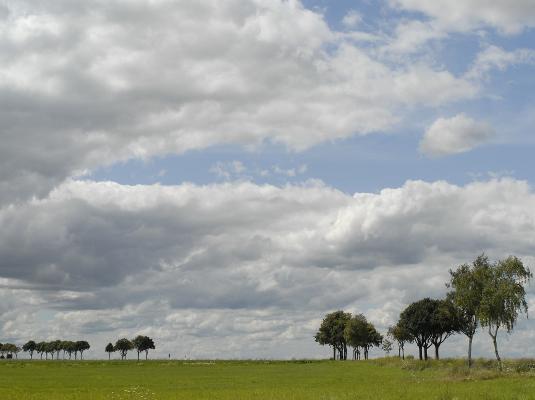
417,320
331,332
143,343
123,346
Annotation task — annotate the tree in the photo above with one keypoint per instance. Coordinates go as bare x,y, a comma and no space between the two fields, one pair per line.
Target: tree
41,349
81,346
355,334
109,349
331,332
468,283
401,336
56,346
123,346
70,347
444,323
361,334
143,343
30,346
504,297
416,319
387,346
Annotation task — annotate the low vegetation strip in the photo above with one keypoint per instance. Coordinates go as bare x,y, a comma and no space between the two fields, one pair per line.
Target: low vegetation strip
388,378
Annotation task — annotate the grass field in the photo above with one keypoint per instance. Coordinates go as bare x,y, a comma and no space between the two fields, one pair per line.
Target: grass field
329,380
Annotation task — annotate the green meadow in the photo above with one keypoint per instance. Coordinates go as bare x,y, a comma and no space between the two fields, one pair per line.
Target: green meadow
329,380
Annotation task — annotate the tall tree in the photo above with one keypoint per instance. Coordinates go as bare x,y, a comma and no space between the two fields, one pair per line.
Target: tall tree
504,297
331,332
123,346
109,349
417,319
29,347
401,336
467,283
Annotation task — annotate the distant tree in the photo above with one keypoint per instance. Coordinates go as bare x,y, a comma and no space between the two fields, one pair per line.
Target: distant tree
30,346
81,346
9,349
504,297
331,332
444,323
123,346
401,336
386,346
56,347
41,349
109,349
467,283
16,351
417,319
70,347
143,343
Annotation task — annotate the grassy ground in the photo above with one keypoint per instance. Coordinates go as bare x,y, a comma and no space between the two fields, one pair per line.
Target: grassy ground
326,380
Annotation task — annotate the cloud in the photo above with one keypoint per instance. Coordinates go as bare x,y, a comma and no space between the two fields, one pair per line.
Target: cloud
493,57
454,135
101,260
89,84
352,19
509,17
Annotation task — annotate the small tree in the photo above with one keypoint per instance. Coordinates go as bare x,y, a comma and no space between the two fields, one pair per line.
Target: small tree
109,349
30,346
504,297
81,346
41,349
143,343
355,334
387,346
123,346
401,336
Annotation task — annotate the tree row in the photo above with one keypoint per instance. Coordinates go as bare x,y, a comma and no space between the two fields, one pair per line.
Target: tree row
482,294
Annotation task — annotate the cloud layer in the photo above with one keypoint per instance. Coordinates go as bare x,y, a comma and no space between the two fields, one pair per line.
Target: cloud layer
107,259
86,85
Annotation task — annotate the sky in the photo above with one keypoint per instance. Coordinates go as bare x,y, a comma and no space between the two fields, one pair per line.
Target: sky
219,175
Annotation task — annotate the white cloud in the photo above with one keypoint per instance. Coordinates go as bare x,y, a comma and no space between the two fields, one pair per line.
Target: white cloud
352,19
508,16
493,57
454,135
87,84
216,267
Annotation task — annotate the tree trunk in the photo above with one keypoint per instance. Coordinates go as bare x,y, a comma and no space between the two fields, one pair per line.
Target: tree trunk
470,351
109,356
495,343
334,353
436,352
420,352
425,353
403,351
146,355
